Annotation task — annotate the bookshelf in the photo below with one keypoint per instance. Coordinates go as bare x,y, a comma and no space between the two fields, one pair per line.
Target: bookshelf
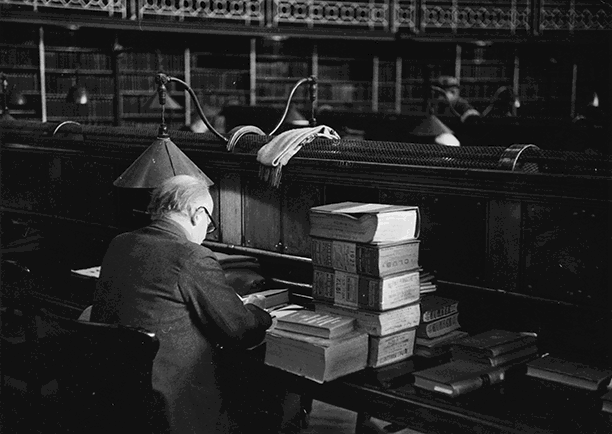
279,65
221,77
20,63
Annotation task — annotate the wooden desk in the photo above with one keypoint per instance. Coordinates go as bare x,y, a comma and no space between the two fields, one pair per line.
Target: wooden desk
520,404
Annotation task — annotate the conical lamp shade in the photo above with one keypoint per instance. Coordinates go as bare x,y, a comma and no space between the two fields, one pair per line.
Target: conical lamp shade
153,103
160,161
294,117
431,127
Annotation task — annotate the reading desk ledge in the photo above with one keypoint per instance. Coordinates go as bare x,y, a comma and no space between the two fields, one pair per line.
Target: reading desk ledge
519,404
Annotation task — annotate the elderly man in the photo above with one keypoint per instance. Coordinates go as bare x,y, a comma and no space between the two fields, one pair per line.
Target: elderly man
162,279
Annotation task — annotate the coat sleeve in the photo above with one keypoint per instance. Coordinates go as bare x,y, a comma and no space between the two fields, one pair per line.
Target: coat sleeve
224,318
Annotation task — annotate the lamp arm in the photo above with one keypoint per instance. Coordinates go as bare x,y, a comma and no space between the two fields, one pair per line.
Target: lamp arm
313,87
495,96
163,79
443,93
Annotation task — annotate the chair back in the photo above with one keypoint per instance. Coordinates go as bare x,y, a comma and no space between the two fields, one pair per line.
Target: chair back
104,372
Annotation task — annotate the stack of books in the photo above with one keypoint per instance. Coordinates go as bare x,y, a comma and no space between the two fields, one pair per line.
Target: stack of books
477,361
606,402
427,281
496,348
366,266
439,326
320,347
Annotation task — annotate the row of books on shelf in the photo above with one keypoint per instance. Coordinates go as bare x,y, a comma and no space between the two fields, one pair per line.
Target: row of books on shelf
74,59
147,61
355,325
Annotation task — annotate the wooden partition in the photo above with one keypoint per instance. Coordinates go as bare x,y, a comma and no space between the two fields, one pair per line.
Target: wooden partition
525,251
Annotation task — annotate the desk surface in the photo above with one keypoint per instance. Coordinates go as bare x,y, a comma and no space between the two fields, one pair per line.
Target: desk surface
520,404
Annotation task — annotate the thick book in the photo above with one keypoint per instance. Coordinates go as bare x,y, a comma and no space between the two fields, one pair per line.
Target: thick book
312,323
493,343
434,307
439,327
458,377
377,323
273,297
323,284
384,350
445,339
371,293
514,356
365,222
370,259
316,358
571,373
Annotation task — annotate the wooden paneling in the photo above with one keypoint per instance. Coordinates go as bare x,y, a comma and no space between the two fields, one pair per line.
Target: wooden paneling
504,244
230,208
298,198
262,215
567,253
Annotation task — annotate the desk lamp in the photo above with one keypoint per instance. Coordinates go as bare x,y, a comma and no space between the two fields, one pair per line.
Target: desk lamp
162,159
432,127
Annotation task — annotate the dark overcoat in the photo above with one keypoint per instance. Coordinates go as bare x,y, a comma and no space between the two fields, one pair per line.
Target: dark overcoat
157,279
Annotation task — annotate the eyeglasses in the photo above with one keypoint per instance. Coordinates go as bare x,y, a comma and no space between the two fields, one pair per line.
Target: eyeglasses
212,225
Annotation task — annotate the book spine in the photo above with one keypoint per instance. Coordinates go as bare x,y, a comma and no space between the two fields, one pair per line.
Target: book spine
379,323
492,377
439,327
321,252
339,255
391,348
323,284
382,261
441,312
346,289
388,292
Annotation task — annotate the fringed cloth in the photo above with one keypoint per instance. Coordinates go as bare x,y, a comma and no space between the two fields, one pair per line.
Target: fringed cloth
277,152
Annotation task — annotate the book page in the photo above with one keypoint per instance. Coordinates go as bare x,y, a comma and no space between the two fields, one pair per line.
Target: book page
89,272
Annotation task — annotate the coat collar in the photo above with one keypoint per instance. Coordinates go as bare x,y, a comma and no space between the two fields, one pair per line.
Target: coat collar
169,225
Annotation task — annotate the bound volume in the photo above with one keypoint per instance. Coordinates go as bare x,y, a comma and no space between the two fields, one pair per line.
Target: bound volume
316,324
570,372
439,327
434,307
392,348
377,260
458,377
316,358
493,343
378,323
372,293
365,222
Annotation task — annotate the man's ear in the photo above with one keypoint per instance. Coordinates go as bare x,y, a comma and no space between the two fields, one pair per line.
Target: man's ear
193,219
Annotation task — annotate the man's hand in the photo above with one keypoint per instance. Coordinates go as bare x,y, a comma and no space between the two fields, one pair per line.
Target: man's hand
257,300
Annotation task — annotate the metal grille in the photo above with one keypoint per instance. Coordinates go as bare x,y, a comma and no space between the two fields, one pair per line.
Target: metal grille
517,158
107,6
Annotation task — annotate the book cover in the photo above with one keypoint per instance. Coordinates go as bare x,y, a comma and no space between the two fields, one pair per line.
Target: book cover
434,307
384,350
272,297
571,373
365,292
316,324
494,342
377,260
316,358
377,323
520,354
445,339
458,377
365,222
439,327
